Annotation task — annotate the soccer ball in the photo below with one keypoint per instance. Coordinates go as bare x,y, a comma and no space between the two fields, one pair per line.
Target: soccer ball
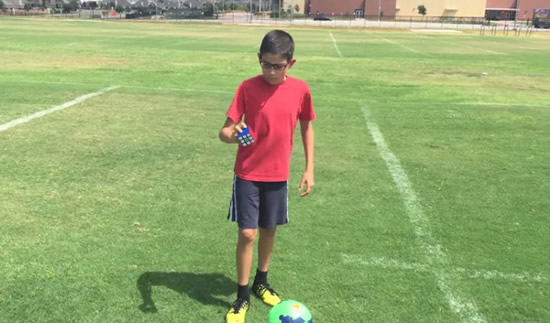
290,311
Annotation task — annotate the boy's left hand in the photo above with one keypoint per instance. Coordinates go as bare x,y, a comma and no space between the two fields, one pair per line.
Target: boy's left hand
307,183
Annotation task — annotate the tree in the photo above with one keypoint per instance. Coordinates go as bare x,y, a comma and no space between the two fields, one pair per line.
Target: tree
208,9
297,8
422,10
75,4
2,5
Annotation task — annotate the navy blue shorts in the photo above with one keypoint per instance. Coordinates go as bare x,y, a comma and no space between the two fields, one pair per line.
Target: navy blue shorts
259,204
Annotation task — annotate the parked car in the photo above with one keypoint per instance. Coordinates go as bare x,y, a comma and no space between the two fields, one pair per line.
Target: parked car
321,17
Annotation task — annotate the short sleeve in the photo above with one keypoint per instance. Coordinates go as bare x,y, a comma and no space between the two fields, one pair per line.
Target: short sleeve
306,112
236,109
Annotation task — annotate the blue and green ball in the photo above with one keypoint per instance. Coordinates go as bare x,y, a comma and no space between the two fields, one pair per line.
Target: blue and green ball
290,311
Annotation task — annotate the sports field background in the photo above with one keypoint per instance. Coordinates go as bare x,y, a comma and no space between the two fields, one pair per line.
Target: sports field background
129,189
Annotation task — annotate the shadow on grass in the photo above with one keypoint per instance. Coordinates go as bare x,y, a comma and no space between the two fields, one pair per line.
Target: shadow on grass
201,287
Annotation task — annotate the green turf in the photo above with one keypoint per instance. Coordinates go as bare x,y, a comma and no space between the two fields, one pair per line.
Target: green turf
123,197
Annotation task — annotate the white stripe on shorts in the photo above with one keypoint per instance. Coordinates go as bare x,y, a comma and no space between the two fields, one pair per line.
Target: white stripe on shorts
233,207
287,218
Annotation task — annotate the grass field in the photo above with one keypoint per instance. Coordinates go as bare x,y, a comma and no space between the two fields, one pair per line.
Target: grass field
432,198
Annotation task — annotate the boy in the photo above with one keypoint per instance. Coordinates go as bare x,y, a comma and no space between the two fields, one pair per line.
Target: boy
271,103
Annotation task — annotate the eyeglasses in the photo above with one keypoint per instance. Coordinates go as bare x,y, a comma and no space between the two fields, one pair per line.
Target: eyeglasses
276,67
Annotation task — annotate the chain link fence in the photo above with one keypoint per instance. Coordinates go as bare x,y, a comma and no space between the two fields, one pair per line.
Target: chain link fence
151,12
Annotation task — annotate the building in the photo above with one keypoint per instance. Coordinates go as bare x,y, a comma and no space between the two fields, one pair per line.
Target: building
513,9
357,8
34,4
527,7
14,4
291,4
262,5
501,9
442,8
275,5
492,9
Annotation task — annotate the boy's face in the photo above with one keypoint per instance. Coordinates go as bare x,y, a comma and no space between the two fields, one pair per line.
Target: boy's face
274,67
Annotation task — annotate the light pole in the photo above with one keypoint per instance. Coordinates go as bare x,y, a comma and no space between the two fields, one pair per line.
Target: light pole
379,9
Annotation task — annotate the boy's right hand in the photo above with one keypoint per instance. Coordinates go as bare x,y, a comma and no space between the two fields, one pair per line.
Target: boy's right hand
239,128
229,131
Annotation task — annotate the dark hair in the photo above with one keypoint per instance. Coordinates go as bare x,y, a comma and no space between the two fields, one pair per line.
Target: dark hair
278,42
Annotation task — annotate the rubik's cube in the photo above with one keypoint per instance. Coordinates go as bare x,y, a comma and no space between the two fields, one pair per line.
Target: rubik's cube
245,137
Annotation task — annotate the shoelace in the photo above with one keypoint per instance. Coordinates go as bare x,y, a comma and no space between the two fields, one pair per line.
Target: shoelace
239,303
266,288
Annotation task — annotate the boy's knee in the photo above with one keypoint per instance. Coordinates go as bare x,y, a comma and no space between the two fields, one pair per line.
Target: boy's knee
247,235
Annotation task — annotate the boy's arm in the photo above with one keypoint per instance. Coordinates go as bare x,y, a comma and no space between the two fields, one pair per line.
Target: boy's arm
308,140
228,133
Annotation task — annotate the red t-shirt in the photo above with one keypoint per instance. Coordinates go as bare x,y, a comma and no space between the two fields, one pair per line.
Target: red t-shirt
271,113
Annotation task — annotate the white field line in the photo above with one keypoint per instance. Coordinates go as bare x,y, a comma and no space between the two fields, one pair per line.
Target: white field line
335,45
485,50
468,46
175,89
466,103
401,45
503,104
436,31
530,48
499,104
403,103
63,106
385,263
436,257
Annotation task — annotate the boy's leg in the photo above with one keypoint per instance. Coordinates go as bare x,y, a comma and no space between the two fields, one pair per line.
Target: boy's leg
273,212
244,210
261,287
245,250
265,247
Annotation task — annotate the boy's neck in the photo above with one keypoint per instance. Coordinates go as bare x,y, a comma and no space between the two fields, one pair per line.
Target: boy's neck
284,80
